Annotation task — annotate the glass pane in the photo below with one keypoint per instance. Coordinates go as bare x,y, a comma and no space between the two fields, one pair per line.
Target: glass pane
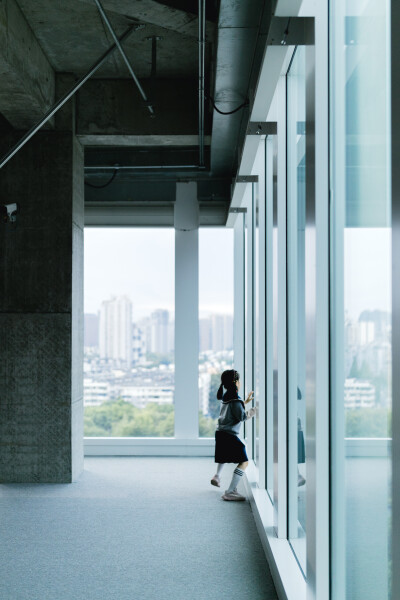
247,375
296,302
129,332
270,278
215,320
361,283
256,320
273,484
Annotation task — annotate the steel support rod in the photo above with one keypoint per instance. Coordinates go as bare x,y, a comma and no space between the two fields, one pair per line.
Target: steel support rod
202,43
123,54
153,57
52,111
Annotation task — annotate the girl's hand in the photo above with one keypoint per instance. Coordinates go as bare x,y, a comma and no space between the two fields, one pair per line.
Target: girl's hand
249,397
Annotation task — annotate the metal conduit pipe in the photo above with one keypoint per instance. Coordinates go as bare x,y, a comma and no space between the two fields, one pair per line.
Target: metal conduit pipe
202,44
100,168
123,54
52,111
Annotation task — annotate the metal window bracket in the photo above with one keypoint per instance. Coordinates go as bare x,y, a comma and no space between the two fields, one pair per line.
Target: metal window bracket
291,31
247,179
237,210
263,128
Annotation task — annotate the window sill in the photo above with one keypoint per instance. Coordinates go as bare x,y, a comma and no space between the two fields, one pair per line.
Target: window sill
288,578
147,446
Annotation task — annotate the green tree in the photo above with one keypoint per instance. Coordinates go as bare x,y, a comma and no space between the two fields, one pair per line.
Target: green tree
159,359
118,418
354,369
368,422
206,426
365,371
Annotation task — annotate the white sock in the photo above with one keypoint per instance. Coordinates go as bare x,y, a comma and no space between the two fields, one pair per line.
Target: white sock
237,474
219,469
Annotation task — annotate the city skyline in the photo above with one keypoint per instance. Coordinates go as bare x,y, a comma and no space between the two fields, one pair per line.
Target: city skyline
154,333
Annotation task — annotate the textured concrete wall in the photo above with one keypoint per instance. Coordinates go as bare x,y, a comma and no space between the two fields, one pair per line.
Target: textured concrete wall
41,305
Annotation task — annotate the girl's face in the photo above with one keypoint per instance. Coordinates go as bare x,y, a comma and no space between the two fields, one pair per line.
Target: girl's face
238,385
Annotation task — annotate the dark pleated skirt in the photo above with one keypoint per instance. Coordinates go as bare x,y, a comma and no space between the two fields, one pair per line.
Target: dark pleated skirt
229,448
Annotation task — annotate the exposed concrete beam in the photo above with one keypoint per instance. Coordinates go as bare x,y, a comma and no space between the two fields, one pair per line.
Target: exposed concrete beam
150,11
140,140
111,107
152,215
27,79
152,190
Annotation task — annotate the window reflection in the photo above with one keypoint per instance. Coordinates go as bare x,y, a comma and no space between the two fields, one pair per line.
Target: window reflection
296,251
361,284
270,365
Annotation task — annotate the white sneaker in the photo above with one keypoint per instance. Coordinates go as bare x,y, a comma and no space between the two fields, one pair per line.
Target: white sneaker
300,480
216,481
233,496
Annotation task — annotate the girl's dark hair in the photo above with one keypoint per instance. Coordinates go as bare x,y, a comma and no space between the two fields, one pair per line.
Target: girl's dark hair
228,381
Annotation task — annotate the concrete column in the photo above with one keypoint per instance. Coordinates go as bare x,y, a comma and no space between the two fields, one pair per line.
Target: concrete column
41,312
186,312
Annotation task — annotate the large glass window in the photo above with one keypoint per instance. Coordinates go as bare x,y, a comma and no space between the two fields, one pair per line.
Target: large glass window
129,332
256,318
251,266
271,270
247,377
361,299
258,189
272,376
215,320
296,301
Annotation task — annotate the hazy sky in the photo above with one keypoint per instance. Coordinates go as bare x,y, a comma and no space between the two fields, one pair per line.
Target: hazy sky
367,267
139,263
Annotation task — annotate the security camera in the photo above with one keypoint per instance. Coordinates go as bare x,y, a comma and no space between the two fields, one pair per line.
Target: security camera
9,212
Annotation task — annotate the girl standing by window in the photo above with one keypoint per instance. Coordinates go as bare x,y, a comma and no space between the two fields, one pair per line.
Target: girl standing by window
229,448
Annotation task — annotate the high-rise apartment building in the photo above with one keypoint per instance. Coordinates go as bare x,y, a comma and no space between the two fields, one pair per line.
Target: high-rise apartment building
159,331
138,344
204,335
115,338
216,333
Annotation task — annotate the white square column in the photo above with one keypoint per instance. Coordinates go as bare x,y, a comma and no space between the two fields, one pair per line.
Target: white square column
186,311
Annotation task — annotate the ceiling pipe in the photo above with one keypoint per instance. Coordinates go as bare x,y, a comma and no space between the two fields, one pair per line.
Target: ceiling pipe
124,56
52,111
202,44
100,168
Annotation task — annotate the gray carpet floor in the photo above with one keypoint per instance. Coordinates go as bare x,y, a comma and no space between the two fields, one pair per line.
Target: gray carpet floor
131,529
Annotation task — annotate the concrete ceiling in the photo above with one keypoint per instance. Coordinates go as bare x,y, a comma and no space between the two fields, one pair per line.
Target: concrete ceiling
46,44
73,35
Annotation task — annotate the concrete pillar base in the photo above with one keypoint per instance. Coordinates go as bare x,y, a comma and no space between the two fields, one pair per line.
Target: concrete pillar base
41,312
